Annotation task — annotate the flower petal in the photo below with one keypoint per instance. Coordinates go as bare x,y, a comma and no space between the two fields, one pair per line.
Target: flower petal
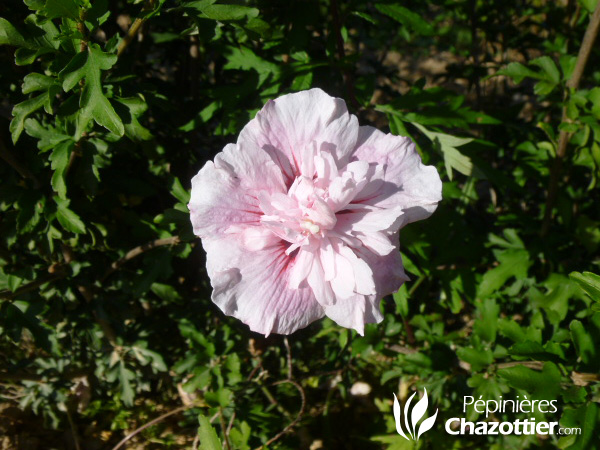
366,220
355,311
236,174
287,125
407,182
253,287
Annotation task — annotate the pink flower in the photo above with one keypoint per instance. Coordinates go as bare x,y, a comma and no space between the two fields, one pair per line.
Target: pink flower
300,218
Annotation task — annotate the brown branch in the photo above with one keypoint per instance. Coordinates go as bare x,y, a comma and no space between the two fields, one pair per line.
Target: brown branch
583,379
83,44
535,365
149,424
224,429
73,427
229,426
173,240
59,273
134,29
563,140
294,422
288,352
21,376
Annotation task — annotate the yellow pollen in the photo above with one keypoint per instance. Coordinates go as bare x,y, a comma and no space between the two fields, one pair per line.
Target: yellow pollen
310,226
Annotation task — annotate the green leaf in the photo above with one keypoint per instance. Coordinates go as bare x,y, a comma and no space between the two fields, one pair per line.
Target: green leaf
208,10
60,161
365,16
93,103
208,436
513,263
245,59
61,8
9,35
555,301
584,343
166,292
407,18
41,37
134,107
589,282
125,377
258,26
302,81
97,14
47,136
567,65
512,330
549,69
518,72
67,218
533,350
549,75
585,417
37,82
22,110
486,322
446,144
543,385
179,192
590,5
222,397
144,355
477,358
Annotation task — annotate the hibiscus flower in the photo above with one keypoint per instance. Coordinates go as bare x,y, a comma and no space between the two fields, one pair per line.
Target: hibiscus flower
300,218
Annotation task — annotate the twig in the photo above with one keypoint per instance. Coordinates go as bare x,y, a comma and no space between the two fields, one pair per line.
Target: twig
294,422
20,376
73,429
8,295
224,429
149,424
572,84
134,29
346,74
230,425
289,357
265,390
535,365
173,240
83,44
583,379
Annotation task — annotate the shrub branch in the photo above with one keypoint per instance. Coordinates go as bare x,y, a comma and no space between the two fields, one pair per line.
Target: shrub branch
563,139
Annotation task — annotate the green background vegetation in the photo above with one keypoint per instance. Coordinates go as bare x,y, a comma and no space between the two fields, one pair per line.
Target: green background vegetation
109,107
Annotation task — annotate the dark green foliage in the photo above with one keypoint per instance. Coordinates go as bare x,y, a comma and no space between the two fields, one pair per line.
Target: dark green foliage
105,314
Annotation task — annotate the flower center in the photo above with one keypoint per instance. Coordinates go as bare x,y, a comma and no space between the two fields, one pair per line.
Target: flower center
310,226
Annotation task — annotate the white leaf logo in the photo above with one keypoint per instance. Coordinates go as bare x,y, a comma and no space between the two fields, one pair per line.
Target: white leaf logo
427,424
397,414
418,412
406,409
